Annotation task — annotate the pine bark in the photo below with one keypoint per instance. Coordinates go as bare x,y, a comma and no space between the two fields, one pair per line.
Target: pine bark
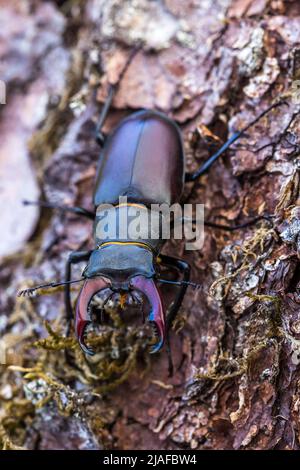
213,67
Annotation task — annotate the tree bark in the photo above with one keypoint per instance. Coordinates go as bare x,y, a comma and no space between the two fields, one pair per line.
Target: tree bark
213,67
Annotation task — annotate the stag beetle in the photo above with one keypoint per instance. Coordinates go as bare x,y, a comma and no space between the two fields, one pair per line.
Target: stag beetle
142,159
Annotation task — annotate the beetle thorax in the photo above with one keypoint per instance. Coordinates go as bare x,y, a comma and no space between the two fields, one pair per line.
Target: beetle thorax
130,222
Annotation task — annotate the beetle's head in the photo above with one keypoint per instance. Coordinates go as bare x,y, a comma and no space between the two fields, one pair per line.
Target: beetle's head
120,267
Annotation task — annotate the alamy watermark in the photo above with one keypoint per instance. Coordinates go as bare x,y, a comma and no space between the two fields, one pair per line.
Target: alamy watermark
138,222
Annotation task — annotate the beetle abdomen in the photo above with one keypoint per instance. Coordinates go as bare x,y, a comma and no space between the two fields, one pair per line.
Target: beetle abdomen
142,159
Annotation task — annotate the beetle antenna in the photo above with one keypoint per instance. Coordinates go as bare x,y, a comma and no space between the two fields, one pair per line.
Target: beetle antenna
194,285
31,290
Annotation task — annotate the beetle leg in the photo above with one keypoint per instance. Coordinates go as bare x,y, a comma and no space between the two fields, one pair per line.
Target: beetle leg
183,267
74,210
169,353
231,228
100,137
235,136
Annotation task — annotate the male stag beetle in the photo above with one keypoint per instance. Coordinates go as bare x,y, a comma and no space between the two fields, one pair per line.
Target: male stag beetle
142,159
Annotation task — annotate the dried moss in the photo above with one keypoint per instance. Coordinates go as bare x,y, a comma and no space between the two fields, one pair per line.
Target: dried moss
61,365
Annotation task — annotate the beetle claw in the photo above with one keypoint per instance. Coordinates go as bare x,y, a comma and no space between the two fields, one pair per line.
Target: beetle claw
159,343
81,340
82,319
156,316
156,348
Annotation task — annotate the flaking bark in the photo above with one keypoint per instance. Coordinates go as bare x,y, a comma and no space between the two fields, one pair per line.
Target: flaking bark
236,344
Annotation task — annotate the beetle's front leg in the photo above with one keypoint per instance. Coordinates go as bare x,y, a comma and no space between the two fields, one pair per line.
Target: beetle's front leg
184,268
